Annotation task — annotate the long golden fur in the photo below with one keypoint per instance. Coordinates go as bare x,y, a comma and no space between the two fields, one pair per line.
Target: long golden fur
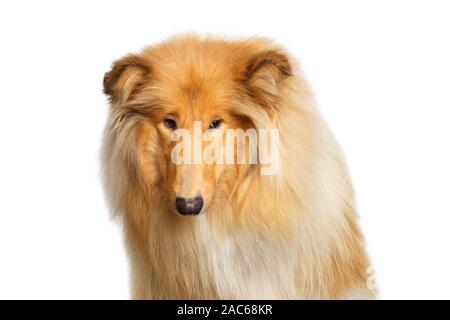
292,235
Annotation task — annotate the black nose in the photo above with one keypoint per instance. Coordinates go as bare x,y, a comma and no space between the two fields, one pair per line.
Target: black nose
189,206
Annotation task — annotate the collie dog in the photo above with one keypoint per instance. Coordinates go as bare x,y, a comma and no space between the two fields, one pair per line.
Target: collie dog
227,229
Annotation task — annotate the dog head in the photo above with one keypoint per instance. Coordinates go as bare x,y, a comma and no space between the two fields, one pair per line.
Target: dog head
174,92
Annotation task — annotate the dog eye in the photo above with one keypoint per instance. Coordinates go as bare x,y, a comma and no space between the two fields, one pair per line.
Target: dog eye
215,124
170,123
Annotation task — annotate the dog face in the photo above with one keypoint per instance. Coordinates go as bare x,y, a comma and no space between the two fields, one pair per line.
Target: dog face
195,111
189,86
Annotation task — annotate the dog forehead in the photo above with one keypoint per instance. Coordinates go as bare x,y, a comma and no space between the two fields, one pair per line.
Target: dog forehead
192,93
197,77
194,97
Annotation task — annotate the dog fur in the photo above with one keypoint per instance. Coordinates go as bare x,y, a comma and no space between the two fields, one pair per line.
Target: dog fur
293,235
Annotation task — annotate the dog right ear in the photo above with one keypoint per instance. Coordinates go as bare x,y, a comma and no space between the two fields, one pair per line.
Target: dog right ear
125,78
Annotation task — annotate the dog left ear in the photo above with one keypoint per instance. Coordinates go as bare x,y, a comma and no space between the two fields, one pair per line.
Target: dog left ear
263,75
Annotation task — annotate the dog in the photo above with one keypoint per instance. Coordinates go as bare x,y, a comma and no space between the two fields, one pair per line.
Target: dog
221,230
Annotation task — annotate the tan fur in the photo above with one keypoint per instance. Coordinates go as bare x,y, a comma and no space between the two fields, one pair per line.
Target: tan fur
292,235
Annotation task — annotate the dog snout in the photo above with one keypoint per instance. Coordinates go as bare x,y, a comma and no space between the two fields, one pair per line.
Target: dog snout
189,206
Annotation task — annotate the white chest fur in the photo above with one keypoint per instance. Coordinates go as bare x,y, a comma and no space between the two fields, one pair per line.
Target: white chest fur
248,266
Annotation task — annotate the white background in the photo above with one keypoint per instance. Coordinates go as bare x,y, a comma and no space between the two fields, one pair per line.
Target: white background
381,74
